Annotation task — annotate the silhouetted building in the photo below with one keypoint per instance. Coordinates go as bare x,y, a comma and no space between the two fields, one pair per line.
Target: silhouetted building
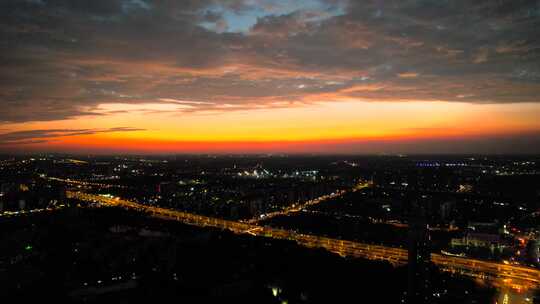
419,254
533,252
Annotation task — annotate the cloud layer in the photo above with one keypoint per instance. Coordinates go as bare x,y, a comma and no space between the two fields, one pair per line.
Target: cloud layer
43,136
63,59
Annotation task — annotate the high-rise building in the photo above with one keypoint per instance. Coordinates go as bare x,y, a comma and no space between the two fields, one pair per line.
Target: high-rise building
533,252
419,254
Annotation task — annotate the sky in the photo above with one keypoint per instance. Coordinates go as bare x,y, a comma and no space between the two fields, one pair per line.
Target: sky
270,76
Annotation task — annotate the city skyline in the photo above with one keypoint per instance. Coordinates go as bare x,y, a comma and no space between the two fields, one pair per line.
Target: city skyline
262,76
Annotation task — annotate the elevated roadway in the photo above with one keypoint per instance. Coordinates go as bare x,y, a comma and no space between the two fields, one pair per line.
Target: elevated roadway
514,275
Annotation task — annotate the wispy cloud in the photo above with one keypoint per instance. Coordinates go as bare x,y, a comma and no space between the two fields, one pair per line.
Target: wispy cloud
188,102
42,136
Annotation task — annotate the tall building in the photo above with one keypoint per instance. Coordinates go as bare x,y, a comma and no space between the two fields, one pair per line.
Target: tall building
419,290
533,252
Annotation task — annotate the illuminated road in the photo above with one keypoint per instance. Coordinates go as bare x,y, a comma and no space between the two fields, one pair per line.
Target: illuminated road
31,211
511,275
83,183
300,206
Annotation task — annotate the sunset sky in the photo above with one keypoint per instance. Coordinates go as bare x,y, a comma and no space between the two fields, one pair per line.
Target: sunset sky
270,76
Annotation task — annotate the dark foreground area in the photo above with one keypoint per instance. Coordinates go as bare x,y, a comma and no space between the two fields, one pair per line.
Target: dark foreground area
84,255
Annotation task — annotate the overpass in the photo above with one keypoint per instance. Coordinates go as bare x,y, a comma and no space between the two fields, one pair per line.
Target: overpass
511,275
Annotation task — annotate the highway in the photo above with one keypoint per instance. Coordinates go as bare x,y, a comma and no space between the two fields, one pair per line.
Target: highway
83,183
8,213
512,275
300,206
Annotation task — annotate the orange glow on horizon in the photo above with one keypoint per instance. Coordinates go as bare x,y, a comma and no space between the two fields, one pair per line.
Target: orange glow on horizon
169,128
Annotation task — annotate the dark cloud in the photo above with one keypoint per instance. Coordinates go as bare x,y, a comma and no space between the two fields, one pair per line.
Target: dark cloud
61,59
501,145
41,136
